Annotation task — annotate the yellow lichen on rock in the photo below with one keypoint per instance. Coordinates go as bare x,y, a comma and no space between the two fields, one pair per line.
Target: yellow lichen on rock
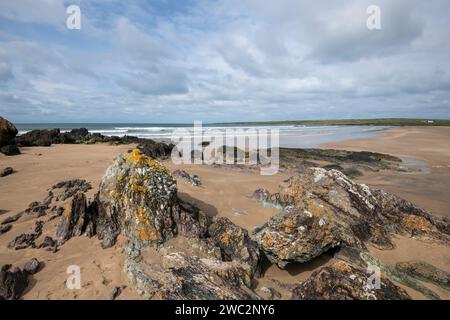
136,157
144,230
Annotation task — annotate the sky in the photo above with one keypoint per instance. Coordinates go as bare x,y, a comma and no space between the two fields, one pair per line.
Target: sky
166,61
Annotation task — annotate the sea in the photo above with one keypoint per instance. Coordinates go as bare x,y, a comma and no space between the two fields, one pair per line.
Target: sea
290,136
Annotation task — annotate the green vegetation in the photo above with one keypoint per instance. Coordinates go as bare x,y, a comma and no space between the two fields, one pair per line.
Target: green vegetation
358,122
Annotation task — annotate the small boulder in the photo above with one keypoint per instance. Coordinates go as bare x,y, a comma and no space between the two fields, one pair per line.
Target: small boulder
32,266
6,172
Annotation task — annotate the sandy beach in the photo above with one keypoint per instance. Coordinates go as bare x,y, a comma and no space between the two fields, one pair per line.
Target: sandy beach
224,192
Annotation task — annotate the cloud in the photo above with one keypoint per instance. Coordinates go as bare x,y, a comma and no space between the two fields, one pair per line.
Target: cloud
223,61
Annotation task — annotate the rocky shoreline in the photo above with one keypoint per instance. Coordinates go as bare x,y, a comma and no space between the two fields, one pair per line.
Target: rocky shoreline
173,250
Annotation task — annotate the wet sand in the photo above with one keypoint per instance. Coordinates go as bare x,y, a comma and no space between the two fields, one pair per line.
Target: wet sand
429,189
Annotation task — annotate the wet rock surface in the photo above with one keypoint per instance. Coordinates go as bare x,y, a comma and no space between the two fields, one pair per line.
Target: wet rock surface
324,209
12,283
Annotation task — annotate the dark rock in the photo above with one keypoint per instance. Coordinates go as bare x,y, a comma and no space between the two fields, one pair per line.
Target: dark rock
155,150
342,281
38,208
324,209
7,132
12,283
27,240
13,218
10,150
116,292
6,172
74,219
191,221
32,266
188,178
48,243
78,134
235,244
66,189
370,158
426,272
5,228
39,138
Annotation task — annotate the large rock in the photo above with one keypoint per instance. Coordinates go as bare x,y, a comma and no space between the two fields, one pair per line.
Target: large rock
343,281
296,236
324,209
139,197
12,283
39,138
180,276
7,132
235,244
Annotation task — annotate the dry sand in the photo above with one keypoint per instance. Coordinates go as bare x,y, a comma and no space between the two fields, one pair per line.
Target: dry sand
225,192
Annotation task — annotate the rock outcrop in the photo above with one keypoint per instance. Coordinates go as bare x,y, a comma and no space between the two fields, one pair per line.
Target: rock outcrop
74,220
343,281
324,209
12,283
139,197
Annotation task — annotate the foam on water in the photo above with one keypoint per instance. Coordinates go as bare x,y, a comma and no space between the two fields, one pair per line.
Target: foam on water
291,136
